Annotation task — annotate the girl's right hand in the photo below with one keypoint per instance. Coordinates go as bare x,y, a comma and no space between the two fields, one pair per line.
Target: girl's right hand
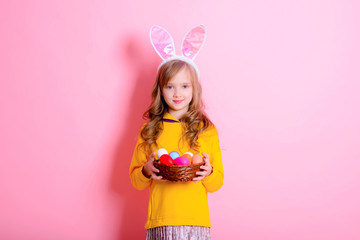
149,170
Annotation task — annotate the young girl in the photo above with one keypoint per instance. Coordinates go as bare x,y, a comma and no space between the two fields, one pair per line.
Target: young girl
177,123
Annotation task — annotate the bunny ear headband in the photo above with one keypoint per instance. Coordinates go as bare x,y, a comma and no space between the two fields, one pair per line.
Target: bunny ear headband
163,44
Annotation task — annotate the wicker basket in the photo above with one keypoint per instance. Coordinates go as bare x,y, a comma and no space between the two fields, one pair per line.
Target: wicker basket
178,173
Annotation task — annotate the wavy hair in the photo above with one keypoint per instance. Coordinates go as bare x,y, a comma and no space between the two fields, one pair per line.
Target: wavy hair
194,121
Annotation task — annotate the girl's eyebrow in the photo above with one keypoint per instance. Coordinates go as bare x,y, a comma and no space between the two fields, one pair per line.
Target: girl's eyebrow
170,83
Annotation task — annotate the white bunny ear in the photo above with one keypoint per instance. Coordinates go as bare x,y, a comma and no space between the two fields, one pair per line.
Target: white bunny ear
193,41
162,42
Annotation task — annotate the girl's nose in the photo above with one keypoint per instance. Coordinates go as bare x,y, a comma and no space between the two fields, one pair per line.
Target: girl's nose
177,93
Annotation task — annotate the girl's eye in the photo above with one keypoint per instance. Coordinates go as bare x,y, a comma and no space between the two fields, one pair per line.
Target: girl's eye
169,87
185,86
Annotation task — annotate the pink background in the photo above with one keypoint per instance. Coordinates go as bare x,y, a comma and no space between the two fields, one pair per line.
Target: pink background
281,82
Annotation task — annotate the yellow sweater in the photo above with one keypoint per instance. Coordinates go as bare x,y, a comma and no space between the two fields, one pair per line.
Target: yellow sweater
171,203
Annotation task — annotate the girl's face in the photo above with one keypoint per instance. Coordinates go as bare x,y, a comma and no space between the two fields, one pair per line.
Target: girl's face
178,93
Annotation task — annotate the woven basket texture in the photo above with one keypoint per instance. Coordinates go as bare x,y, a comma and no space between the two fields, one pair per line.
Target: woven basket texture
178,173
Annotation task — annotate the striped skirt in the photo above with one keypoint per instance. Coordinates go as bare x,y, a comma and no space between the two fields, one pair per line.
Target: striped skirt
178,233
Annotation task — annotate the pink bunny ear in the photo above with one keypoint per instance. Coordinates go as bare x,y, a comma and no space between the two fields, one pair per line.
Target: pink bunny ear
193,41
162,42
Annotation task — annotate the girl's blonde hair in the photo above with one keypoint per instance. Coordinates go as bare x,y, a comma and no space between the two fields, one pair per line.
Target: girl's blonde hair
194,121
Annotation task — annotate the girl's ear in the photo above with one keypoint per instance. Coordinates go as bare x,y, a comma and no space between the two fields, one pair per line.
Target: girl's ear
162,42
193,41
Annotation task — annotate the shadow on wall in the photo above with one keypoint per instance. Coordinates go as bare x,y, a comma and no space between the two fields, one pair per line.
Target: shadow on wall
134,202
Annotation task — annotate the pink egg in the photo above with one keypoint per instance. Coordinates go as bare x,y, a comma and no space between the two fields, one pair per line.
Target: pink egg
181,161
197,158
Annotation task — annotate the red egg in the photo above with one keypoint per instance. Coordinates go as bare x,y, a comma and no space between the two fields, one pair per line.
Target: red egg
166,159
182,161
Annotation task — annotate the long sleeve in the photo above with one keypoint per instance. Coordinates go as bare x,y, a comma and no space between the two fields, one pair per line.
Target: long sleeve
214,181
139,158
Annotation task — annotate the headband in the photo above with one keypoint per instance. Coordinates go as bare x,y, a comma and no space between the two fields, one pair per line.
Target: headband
191,45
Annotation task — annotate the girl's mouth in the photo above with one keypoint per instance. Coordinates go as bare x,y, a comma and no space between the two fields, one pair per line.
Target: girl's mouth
177,101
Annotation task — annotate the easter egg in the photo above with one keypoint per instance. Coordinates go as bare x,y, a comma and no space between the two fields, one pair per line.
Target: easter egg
188,156
197,159
181,161
174,154
166,159
160,152
189,153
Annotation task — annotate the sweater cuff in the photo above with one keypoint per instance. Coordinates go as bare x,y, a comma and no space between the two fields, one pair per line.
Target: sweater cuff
141,176
209,178
143,172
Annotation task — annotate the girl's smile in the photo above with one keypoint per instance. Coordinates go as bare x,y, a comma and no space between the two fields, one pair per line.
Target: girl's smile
177,101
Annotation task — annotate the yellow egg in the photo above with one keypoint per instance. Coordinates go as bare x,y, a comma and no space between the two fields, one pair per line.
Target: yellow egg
188,156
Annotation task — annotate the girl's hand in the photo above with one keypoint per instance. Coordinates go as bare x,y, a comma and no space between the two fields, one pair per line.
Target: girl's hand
206,169
149,170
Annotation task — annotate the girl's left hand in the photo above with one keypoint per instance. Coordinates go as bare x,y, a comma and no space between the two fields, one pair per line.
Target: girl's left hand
206,169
